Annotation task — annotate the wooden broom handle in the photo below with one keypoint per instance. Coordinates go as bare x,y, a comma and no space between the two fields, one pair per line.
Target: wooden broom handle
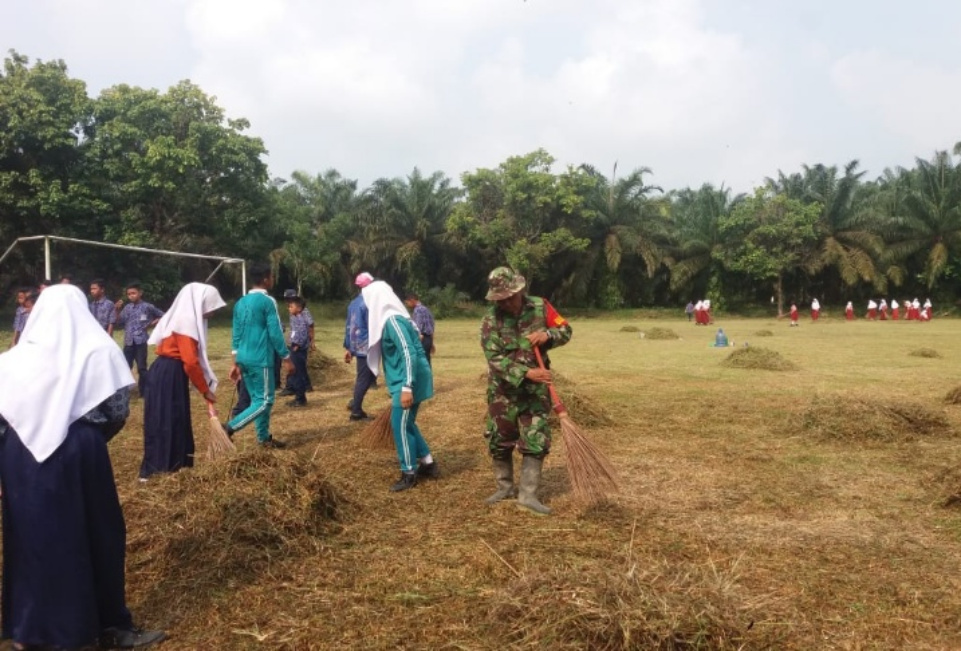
558,405
211,410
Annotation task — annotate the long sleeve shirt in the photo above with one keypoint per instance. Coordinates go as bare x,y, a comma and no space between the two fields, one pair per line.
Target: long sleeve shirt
504,340
186,349
405,364
257,333
355,333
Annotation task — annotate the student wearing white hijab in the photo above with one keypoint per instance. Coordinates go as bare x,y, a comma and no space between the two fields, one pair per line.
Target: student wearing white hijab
849,311
181,341
815,309
393,340
63,391
895,309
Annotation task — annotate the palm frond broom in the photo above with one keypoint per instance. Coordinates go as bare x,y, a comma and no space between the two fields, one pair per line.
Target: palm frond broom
379,435
219,444
592,476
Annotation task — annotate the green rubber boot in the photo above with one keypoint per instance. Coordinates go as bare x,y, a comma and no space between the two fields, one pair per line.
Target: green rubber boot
530,480
504,474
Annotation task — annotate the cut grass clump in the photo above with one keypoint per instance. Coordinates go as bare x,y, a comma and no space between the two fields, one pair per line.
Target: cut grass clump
763,333
930,353
852,418
953,396
660,333
655,605
199,532
583,408
758,358
630,328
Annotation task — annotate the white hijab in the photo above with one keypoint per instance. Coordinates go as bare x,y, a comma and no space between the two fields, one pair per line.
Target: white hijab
63,366
186,317
382,303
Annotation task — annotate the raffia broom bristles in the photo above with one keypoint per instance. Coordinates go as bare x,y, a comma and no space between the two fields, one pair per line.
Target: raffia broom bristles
219,444
378,435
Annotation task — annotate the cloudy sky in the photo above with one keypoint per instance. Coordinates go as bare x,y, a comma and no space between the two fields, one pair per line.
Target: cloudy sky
720,91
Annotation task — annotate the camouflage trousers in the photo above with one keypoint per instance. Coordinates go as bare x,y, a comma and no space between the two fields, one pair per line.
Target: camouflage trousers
518,421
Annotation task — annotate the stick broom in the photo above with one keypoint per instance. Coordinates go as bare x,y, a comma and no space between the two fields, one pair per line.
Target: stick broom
218,443
592,475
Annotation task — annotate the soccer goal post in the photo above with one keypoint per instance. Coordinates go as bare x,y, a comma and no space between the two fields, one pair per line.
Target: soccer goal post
109,245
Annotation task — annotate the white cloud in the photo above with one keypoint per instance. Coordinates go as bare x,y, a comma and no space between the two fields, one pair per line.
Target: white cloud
917,102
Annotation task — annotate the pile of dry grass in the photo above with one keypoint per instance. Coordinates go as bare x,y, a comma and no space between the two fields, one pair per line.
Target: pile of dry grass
649,606
759,358
202,532
660,333
630,328
930,353
953,396
584,409
764,333
852,418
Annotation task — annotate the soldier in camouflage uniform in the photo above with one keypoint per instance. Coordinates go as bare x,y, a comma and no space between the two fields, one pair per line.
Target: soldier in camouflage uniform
517,392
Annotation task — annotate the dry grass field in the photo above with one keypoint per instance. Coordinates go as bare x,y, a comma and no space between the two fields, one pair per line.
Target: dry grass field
811,508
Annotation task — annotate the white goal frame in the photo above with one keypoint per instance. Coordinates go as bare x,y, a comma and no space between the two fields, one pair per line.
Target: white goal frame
110,245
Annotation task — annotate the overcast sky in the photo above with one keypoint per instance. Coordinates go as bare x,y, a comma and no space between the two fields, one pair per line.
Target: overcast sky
719,91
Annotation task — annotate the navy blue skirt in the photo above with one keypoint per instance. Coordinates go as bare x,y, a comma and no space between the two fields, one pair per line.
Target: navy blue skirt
64,542
168,435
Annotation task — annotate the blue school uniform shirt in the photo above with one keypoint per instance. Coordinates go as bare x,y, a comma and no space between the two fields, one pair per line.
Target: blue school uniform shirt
19,319
300,328
134,319
423,320
104,312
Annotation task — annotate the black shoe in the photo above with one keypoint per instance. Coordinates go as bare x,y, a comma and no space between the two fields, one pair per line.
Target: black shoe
129,638
297,403
273,444
361,416
428,470
287,392
407,480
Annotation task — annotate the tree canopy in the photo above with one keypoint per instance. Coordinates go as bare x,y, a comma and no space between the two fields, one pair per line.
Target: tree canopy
169,169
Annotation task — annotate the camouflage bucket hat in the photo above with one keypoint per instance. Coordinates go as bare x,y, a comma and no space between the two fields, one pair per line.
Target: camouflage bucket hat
503,283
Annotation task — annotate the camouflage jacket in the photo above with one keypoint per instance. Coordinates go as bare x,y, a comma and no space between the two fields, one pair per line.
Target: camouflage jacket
503,338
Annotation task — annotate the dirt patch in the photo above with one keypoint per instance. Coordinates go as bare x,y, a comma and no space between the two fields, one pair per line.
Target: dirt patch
841,417
764,333
929,353
630,328
758,358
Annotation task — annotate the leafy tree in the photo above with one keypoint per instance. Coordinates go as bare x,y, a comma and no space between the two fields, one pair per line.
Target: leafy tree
45,118
518,214
769,236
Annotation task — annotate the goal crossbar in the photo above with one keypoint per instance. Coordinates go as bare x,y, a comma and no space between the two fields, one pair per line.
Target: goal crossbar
126,247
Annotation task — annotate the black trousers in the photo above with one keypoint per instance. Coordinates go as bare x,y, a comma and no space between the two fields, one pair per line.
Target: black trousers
365,378
137,353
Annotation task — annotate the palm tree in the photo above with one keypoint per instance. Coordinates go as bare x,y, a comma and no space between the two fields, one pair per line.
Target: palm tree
404,224
623,224
698,241
928,217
